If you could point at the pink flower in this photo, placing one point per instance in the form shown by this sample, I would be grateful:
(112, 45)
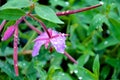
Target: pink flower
(57, 40)
(8, 33)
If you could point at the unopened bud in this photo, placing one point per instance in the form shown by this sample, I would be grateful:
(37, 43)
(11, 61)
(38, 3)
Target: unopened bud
(8, 33)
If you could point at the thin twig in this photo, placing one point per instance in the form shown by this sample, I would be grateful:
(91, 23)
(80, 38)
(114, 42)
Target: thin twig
(32, 27)
(79, 10)
(15, 54)
(42, 24)
(70, 57)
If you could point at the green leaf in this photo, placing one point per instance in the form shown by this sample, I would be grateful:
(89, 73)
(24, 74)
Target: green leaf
(59, 2)
(115, 27)
(47, 14)
(73, 36)
(110, 41)
(16, 4)
(42, 73)
(29, 70)
(97, 22)
(113, 62)
(11, 14)
(52, 71)
(105, 72)
(96, 65)
(83, 59)
(84, 74)
(5, 67)
(61, 76)
(57, 59)
(7, 51)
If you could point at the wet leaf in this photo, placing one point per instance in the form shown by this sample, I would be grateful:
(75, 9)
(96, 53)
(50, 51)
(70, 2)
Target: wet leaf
(47, 14)
(16, 4)
(11, 14)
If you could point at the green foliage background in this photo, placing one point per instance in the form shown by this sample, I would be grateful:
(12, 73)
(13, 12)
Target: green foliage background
(94, 42)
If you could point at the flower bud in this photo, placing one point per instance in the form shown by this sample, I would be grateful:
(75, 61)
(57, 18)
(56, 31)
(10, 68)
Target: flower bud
(8, 33)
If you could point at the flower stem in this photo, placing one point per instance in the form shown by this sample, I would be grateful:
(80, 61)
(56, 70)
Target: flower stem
(32, 27)
(15, 54)
(42, 24)
(79, 10)
(19, 21)
(2, 24)
(70, 57)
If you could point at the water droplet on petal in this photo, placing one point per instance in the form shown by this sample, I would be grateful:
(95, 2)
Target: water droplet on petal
(63, 34)
(61, 39)
(55, 43)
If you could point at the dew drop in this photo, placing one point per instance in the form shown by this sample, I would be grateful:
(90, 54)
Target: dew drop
(55, 43)
(61, 39)
(76, 71)
(80, 78)
(67, 3)
(16, 65)
(63, 34)
(97, 27)
(101, 2)
(108, 32)
(71, 72)
(62, 74)
(106, 42)
(24, 64)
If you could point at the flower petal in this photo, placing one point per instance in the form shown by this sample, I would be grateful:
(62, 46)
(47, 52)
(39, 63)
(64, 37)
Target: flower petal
(8, 33)
(59, 43)
(39, 43)
(36, 48)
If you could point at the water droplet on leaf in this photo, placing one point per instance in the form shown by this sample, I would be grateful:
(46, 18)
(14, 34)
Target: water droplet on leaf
(75, 71)
(80, 78)
(63, 74)
(106, 42)
(67, 3)
(71, 72)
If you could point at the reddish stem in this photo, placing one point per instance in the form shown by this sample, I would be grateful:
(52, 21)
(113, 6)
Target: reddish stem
(70, 57)
(19, 21)
(32, 27)
(79, 10)
(15, 54)
(42, 24)
(2, 24)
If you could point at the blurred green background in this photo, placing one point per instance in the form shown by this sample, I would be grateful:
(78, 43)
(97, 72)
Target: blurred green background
(94, 42)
